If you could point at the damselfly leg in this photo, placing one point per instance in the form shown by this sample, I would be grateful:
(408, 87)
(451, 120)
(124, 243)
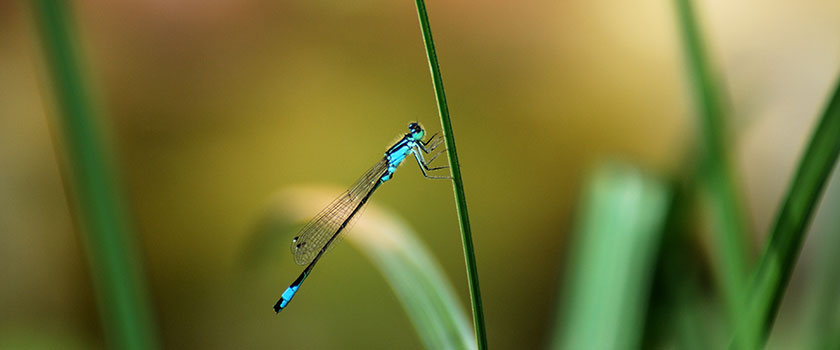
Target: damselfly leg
(433, 140)
(424, 165)
(428, 146)
(435, 157)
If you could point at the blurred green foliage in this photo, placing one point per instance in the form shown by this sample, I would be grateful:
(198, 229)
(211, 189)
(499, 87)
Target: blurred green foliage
(717, 177)
(612, 255)
(109, 242)
(785, 241)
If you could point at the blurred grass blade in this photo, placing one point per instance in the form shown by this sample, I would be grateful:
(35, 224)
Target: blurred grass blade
(729, 248)
(823, 302)
(612, 260)
(405, 262)
(111, 253)
(781, 251)
(457, 181)
(675, 318)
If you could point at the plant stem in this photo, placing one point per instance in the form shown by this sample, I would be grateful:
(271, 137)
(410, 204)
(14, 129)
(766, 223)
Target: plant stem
(779, 257)
(112, 258)
(457, 180)
(728, 231)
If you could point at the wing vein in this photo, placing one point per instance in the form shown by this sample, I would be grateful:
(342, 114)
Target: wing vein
(319, 232)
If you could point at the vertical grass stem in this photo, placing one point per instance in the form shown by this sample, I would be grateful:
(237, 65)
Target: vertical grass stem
(457, 180)
(718, 181)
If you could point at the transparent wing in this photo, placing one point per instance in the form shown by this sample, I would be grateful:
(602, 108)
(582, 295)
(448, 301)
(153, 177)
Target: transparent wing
(328, 223)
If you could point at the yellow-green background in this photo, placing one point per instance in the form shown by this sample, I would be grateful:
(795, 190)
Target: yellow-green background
(212, 106)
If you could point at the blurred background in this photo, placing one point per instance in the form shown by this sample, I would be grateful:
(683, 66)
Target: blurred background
(211, 107)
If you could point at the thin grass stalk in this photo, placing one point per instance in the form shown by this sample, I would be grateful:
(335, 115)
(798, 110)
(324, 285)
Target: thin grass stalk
(788, 232)
(728, 229)
(457, 180)
(112, 257)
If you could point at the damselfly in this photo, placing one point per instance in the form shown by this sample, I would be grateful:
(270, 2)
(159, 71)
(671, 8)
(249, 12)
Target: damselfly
(319, 234)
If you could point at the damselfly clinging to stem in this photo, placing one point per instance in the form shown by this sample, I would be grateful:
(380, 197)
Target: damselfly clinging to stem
(318, 235)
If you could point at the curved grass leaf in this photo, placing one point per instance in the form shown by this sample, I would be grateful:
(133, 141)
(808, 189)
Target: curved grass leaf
(409, 268)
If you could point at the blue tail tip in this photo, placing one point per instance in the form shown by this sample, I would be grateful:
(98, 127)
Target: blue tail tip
(281, 304)
(286, 297)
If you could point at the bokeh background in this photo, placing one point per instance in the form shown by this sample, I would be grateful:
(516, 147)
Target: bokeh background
(213, 106)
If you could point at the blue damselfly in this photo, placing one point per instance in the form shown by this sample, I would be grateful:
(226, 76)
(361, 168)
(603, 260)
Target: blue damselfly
(318, 235)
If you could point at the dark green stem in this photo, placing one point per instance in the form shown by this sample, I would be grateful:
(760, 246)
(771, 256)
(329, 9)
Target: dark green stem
(123, 303)
(779, 257)
(457, 181)
(728, 232)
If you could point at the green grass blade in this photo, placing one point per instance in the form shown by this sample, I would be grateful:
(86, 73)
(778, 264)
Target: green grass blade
(111, 254)
(457, 181)
(729, 246)
(676, 317)
(612, 261)
(822, 302)
(407, 265)
(780, 253)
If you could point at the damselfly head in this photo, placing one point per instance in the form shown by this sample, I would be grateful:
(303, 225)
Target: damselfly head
(416, 131)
